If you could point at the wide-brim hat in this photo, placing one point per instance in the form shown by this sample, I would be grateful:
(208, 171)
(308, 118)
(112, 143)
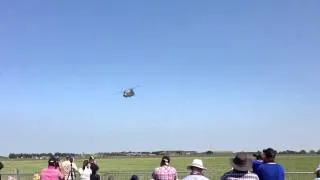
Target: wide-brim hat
(197, 163)
(241, 162)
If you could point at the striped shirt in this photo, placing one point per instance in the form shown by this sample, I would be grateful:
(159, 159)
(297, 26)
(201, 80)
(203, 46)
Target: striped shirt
(237, 175)
(164, 173)
(195, 177)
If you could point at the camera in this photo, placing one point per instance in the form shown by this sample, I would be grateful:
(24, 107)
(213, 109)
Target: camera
(257, 156)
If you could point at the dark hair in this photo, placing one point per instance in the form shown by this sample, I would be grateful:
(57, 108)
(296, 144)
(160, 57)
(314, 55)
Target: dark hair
(164, 160)
(52, 162)
(1, 165)
(85, 163)
(134, 177)
(270, 153)
(71, 159)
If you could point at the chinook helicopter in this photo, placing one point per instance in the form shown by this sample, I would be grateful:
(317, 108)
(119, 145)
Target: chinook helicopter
(129, 92)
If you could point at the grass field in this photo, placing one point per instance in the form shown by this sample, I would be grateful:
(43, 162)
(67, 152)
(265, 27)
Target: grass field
(217, 164)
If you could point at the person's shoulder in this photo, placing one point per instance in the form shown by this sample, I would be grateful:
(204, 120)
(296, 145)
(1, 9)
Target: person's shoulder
(192, 177)
(251, 175)
(257, 162)
(44, 170)
(261, 168)
(264, 165)
(65, 162)
(226, 174)
(173, 169)
(281, 167)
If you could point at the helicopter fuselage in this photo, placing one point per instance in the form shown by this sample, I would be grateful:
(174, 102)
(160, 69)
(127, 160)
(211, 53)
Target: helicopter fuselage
(128, 93)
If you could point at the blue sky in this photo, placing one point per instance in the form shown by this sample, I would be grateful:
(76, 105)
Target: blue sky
(224, 75)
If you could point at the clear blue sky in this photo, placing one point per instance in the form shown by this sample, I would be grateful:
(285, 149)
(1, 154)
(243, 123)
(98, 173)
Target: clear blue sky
(224, 75)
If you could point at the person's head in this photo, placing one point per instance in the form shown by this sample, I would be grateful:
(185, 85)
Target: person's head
(1, 165)
(317, 172)
(71, 159)
(52, 162)
(165, 161)
(241, 162)
(85, 164)
(196, 166)
(91, 159)
(134, 177)
(269, 155)
(57, 158)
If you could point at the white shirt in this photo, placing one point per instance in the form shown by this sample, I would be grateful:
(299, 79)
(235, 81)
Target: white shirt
(85, 174)
(195, 177)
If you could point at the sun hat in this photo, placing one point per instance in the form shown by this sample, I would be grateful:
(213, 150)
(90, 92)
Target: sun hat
(318, 169)
(197, 163)
(241, 162)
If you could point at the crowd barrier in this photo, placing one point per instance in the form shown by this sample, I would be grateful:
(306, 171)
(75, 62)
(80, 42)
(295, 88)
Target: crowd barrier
(147, 176)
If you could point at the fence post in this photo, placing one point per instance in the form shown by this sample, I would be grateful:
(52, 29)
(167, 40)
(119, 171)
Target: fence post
(17, 174)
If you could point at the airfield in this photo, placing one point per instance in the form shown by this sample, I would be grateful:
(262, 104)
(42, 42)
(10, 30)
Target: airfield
(297, 166)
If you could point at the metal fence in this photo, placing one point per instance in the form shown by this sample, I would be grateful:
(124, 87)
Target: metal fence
(210, 175)
(147, 176)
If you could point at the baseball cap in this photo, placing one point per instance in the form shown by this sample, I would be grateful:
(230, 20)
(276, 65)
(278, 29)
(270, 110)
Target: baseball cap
(270, 153)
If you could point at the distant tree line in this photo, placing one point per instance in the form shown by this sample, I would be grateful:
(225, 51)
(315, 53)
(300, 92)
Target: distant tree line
(148, 154)
(300, 152)
(104, 154)
(42, 155)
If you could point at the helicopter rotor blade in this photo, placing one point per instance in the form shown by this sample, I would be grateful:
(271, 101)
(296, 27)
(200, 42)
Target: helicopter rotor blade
(135, 87)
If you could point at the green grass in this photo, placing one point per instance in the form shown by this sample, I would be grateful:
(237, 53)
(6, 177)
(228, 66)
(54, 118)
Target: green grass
(217, 164)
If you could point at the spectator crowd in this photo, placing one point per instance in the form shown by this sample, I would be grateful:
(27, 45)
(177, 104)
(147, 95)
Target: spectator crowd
(67, 170)
(263, 167)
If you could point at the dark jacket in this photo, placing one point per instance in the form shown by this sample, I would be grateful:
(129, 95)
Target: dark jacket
(94, 168)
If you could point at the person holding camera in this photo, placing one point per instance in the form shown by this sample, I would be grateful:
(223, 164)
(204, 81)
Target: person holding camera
(85, 172)
(94, 168)
(52, 172)
(257, 162)
(69, 168)
(269, 169)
